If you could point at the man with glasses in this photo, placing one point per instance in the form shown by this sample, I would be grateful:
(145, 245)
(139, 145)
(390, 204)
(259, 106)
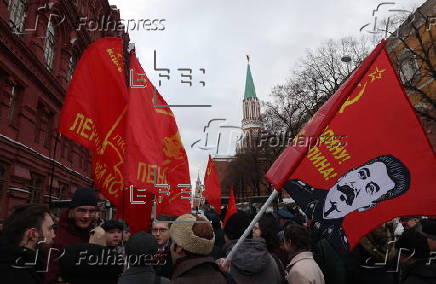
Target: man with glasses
(74, 226)
(161, 232)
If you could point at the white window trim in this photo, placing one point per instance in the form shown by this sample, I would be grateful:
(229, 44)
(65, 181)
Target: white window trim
(49, 45)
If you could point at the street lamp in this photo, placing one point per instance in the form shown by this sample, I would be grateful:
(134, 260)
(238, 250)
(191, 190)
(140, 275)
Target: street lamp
(347, 60)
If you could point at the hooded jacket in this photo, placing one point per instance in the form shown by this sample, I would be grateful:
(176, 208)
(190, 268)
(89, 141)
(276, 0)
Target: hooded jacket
(252, 263)
(197, 270)
(17, 265)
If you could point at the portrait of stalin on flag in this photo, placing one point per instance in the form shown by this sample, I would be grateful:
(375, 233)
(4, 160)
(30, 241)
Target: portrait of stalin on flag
(360, 189)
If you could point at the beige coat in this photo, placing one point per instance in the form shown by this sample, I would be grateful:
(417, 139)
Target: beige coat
(304, 270)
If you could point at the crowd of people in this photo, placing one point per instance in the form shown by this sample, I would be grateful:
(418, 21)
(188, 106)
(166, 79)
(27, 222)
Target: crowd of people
(283, 247)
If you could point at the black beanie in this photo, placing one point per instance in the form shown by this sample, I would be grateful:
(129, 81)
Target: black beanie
(236, 225)
(83, 197)
(141, 244)
(112, 224)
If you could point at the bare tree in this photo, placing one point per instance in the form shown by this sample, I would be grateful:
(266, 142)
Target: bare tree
(313, 82)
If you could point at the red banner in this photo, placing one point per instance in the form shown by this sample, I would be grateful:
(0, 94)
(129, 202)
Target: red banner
(369, 162)
(212, 186)
(231, 206)
(156, 158)
(94, 113)
(132, 141)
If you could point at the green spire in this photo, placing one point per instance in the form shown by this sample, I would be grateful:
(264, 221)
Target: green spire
(250, 91)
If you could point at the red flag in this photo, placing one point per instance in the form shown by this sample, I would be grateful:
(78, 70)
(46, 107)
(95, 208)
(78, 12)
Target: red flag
(97, 96)
(372, 161)
(156, 158)
(133, 142)
(94, 115)
(231, 206)
(212, 186)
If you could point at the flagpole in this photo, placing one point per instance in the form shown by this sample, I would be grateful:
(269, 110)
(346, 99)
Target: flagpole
(250, 227)
(52, 171)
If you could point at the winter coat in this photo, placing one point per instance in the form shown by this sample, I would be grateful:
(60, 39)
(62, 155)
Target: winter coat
(67, 233)
(304, 270)
(17, 266)
(141, 275)
(252, 263)
(331, 265)
(374, 259)
(197, 270)
(420, 273)
(165, 266)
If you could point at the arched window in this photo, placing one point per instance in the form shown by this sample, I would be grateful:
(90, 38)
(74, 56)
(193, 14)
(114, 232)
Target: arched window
(17, 15)
(49, 45)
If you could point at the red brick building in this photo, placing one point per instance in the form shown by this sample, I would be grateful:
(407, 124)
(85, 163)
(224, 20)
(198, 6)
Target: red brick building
(40, 42)
(411, 48)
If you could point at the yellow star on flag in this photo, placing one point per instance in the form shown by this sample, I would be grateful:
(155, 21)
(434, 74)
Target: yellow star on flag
(376, 74)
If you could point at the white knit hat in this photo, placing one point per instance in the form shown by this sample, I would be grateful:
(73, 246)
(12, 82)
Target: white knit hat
(182, 234)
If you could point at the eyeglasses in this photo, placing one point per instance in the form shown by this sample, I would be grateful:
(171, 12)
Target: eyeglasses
(83, 211)
(159, 230)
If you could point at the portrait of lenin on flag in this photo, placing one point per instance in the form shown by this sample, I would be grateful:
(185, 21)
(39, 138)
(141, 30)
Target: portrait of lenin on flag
(360, 189)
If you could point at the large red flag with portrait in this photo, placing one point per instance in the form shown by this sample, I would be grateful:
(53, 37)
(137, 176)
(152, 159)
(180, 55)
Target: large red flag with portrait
(362, 160)
(212, 191)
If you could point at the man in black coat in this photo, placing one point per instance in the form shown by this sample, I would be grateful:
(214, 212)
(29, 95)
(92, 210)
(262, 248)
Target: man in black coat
(26, 232)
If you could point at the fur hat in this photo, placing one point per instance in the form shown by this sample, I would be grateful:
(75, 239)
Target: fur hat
(182, 234)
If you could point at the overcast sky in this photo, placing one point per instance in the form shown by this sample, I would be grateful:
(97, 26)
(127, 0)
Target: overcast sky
(216, 36)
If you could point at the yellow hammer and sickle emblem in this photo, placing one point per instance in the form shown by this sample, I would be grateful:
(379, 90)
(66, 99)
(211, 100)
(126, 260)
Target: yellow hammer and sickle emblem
(351, 101)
